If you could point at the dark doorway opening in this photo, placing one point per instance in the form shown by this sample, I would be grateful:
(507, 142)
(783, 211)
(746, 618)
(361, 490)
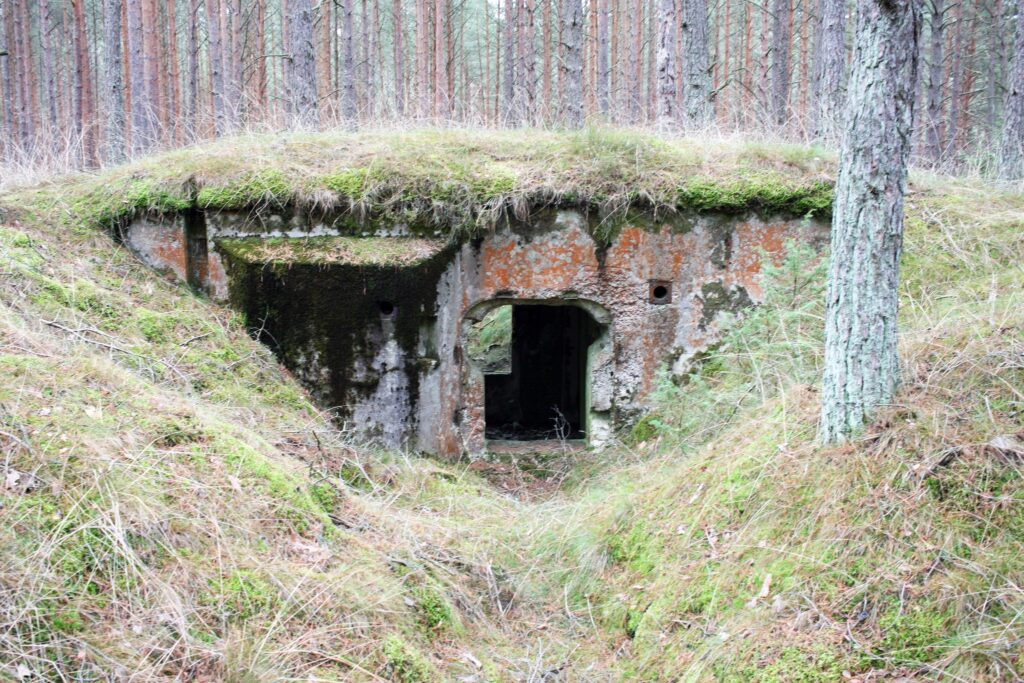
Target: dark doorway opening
(542, 393)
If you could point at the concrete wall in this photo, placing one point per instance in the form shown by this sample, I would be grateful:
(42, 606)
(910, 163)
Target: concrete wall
(711, 264)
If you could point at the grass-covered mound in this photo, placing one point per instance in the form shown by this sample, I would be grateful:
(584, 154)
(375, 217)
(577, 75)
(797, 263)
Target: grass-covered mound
(460, 181)
(174, 507)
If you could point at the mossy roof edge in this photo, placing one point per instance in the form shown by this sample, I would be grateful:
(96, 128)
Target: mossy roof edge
(459, 182)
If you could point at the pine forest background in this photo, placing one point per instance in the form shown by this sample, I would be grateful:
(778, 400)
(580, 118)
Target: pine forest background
(89, 82)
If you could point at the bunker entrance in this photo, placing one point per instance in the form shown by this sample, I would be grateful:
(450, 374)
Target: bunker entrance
(536, 371)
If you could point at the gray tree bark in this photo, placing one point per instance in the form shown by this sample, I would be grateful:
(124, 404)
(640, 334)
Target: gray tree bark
(572, 66)
(780, 62)
(956, 84)
(1011, 150)
(528, 63)
(142, 134)
(399, 57)
(114, 81)
(216, 64)
(7, 133)
(828, 94)
(49, 77)
(302, 77)
(348, 67)
(192, 69)
(666, 112)
(936, 78)
(861, 362)
(698, 110)
(509, 108)
(603, 68)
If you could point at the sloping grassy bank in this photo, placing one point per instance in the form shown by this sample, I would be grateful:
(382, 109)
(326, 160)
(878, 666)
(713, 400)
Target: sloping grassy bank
(174, 507)
(740, 550)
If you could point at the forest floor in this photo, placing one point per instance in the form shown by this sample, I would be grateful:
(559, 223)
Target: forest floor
(174, 507)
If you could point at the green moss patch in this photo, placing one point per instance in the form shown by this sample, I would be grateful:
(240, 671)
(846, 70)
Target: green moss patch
(394, 251)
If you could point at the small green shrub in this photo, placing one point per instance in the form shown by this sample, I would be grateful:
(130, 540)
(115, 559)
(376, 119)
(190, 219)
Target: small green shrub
(434, 609)
(405, 662)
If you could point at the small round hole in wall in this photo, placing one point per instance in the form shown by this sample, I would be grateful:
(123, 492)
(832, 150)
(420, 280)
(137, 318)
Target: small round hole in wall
(387, 309)
(660, 292)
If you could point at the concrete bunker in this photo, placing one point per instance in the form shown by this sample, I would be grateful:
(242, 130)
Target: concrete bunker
(378, 320)
(535, 361)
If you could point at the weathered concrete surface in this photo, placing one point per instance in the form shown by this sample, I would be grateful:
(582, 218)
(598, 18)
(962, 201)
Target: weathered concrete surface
(409, 382)
(712, 265)
(160, 244)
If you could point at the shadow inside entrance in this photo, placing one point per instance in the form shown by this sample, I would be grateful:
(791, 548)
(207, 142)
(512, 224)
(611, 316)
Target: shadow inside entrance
(541, 394)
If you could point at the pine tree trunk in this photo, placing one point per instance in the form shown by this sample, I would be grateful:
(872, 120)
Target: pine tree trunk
(997, 50)
(830, 65)
(216, 65)
(698, 111)
(83, 85)
(780, 62)
(572, 65)
(22, 60)
(546, 47)
(151, 68)
(861, 362)
(602, 57)
(399, 57)
(114, 67)
(666, 63)
(49, 77)
(323, 56)
(348, 67)
(374, 58)
(1011, 150)
(7, 130)
(508, 86)
(261, 60)
(955, 85)
(936, 70)
(302, 79)
(421, 77)
(440, 67)
(529, 62)
(174, 84)
(191, 70)
(636, 85)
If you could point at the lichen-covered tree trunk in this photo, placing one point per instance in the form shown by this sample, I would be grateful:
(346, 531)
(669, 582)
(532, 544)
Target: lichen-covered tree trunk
(861, 363)
(698, 111)
(830, 66)
(302, 73)
(1011, 153)
(666, 64)
(572, 66)
(113, 80)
